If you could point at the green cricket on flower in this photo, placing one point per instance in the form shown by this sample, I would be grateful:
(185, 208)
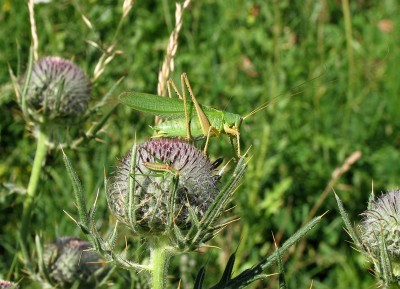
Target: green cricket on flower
(189, 119)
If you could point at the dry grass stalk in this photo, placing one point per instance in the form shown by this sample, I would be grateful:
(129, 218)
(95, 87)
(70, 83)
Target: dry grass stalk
(168, 64)
(35, 41)
(109, 52)
(336, 174)
(126, 7)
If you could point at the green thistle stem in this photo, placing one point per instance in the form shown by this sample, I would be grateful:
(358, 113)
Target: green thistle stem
(160, 256)
(33, 183)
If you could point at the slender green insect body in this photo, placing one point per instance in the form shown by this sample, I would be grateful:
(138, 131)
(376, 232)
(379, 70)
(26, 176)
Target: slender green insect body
(173, 127)
(185, 118)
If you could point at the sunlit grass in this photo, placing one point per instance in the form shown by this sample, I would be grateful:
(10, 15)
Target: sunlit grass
(237, 55)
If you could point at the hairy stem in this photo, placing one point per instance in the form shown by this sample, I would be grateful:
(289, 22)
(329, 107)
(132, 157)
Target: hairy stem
(32, 186)
(160, 256)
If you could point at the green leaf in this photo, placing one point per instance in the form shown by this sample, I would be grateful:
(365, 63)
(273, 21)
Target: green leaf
(227, 275)
(256, 272)
(282, 281)
(198, 284)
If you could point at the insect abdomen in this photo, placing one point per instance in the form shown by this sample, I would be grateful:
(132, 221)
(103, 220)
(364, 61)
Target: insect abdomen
(177, 127)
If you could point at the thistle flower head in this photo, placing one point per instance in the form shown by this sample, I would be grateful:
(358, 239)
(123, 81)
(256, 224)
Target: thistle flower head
(67, 261)
(173, 184)
(57, 90)
(380, 231)
(8, 285)
(383, 220)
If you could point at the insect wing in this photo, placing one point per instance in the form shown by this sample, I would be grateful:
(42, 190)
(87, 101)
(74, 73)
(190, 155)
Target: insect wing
(164, 107)
(161, 106)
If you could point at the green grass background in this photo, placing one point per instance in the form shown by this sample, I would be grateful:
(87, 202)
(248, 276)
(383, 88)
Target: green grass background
(238, 54)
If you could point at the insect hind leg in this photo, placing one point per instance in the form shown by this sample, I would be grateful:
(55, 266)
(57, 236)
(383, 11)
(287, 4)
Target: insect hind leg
(183, 97)
(174, 87)
(185, 105)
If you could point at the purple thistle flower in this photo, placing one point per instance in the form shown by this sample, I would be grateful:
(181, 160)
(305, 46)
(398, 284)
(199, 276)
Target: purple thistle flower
(380, 237)
(383, 220)
(68, 260)
(57, 89)
(164, 168)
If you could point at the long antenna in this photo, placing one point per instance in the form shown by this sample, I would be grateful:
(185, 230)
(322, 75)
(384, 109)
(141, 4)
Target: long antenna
(275, 98)
(268, 103)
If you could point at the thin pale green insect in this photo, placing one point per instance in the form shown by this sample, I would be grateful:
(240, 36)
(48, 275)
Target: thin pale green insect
(186, 118)
(172, 109)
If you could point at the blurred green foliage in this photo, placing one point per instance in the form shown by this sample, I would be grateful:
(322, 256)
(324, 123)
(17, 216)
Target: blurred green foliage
(238, 54)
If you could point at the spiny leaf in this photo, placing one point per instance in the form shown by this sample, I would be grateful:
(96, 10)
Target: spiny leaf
(78, 193)
(227, 275)
(347, 223)
(198, 284)
(282, 281)
(255, 273)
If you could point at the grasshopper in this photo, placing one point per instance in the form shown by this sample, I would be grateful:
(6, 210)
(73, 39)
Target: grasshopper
(188, 119)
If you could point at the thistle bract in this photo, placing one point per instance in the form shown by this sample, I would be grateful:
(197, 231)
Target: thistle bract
(57, 90)
(173, 182)
(67, 261)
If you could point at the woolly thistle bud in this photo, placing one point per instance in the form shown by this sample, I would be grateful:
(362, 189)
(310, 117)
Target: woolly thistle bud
(57, 90)
(164, 169)
(381, 224)
(8, 285)
(67, 261)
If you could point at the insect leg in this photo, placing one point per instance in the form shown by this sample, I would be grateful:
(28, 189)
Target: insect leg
(162, 168)
(188, 134)
(233, 131)
(169, 88)
(206, 127)
(172, 83)
(207, 140)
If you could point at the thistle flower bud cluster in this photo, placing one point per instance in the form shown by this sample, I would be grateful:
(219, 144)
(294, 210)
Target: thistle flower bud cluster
(68, 260)
(56, 89)
(172, 181)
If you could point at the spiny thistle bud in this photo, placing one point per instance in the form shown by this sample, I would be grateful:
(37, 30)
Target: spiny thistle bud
(67, 261)
(380, 230)
(173, 182)
(8, 285)
(57, 90)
